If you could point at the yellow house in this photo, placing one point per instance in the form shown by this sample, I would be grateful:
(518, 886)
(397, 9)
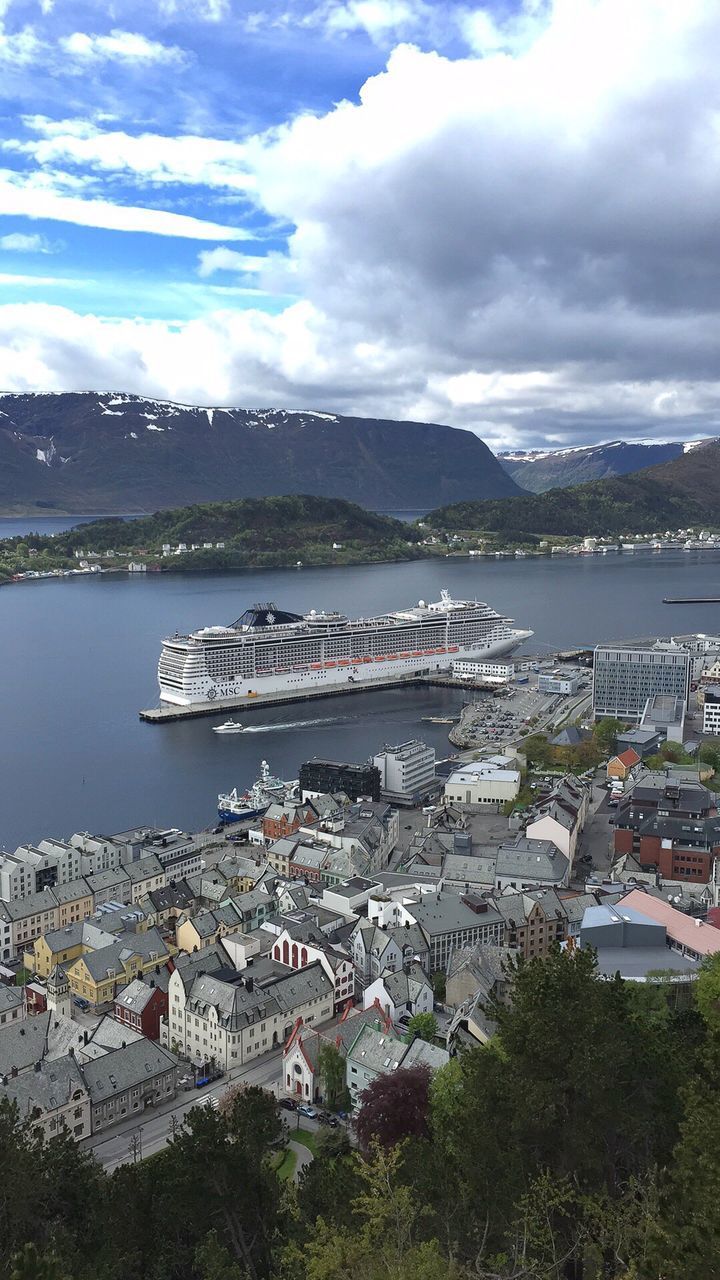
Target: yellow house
(63, 946)
(206, 927)
(621, 766)
(97, 975)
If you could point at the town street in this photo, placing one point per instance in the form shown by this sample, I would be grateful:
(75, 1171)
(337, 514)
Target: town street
(142, 1135)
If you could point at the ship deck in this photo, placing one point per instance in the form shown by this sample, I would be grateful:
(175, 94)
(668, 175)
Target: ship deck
(168, 712)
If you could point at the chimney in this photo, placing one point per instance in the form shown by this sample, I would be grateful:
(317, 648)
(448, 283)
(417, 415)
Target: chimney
(38, 1065)
(248, 984)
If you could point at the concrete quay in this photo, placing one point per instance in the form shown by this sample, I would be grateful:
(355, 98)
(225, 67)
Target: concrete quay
(168, 712)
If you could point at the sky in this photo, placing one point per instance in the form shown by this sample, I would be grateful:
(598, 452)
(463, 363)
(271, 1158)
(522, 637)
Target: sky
(502, 218)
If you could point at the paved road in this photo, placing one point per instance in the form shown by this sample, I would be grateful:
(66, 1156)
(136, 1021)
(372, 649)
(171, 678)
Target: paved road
(304, 1156)
(142, 1136)
(597, 837)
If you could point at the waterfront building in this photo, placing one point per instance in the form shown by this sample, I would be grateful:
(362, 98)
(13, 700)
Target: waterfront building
(487, 672)
(626, 676)
(407, 771)
(558, 682)
(357, 781)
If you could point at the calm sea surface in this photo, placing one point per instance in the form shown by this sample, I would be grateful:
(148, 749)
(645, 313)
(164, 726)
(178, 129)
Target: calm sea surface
(19, 526)
(78, 659)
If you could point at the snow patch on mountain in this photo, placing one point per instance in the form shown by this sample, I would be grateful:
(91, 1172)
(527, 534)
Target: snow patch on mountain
(47, 455)
(694, 444)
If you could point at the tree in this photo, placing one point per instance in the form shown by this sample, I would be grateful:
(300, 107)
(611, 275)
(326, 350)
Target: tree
(707, 991)
(331, 1067)
(393, 1107)
(438, 985)
(710, 754)
(543, 1097)
(688, 1236)
(538, 751)
(423, 1026)
(605, 734)
(214, 1262)
(29, 1264)
(388, 1240)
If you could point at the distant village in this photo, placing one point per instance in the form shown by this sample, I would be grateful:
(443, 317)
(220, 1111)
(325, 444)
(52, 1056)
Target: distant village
(143, 560)
(140, 967)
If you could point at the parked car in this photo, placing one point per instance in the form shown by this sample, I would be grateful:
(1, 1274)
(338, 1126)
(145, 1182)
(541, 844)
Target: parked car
(80, 1002)
(288, 1104)
(305, 1110)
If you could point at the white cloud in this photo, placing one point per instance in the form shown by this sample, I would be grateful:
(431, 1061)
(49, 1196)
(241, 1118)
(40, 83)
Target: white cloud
(522, 241)
(122, 46)
(222, 259)
(190, 159)
(297, 358)
(34, 282)
(18, 48)
(377, 18)
(20, 242)
(382, 20)
(24, 197)
(208, 10)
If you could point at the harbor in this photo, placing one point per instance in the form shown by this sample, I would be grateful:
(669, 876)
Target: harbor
(112, 672)
(170, 712)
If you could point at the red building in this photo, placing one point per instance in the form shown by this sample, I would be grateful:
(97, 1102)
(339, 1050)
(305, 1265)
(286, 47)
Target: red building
(285, 819)
(669, 826)
(140, 1005)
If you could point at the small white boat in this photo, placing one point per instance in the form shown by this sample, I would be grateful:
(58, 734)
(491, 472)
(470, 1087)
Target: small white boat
(230, 726)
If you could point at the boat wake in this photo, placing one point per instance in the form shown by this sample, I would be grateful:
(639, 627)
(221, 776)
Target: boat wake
(295, 724)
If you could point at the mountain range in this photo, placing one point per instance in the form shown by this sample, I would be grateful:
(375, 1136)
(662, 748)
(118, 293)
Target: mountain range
(538, 470)
(679, 494)
(80, 453)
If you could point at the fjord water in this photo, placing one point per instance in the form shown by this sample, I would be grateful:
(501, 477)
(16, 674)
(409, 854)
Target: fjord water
(78, 660)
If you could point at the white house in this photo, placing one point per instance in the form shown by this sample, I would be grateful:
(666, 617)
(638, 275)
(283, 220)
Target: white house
(235, 1022)
(301, 1076)
(407, 991)
(560, 817)
(338, 966)
(374, 951)
(483, 784)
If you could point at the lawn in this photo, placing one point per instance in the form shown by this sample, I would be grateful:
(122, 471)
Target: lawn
(307, 1138)
(286, 1168)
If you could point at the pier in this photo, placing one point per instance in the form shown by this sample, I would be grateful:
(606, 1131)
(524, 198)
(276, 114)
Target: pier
(168, 713)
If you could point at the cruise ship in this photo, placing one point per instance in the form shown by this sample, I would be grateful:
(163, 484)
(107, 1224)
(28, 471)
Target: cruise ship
(270, 651)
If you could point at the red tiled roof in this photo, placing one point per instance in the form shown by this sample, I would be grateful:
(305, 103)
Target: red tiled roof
(629, 758)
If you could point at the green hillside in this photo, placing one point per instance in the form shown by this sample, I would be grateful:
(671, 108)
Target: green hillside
(677, 494)
(256, 533)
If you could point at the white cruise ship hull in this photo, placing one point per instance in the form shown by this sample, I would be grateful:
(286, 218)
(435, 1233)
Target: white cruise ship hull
(336, 675)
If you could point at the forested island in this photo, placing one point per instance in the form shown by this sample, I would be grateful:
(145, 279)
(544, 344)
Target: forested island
(252, 533)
